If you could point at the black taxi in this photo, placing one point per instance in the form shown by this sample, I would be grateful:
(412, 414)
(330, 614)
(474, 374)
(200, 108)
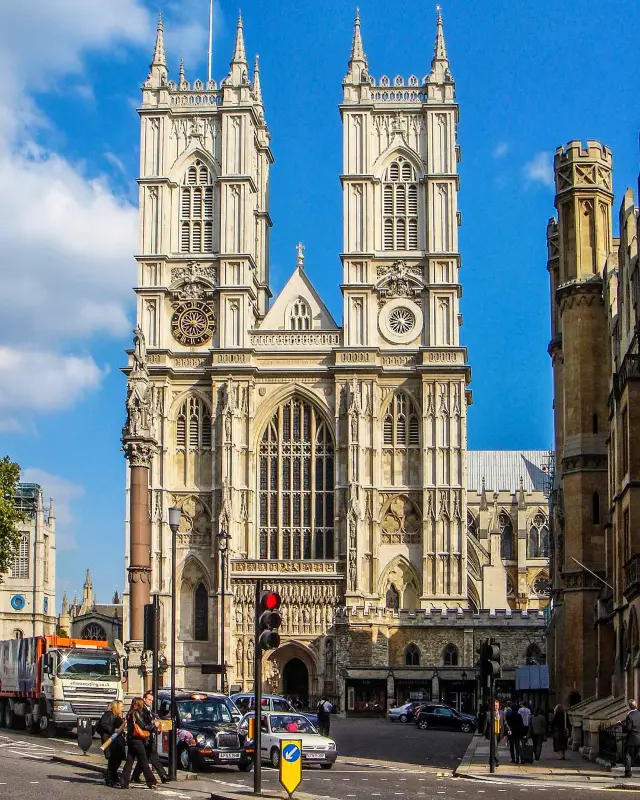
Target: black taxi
(208, 735)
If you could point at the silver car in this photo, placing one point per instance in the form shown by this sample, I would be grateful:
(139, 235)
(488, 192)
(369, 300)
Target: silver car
(405, 713)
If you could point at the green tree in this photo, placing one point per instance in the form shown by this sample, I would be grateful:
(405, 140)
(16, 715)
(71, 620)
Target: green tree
(10, 516)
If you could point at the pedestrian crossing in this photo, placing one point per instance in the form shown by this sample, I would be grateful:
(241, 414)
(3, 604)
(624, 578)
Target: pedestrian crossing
(25, 749)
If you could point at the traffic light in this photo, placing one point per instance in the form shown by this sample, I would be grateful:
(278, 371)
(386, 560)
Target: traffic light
(490, 659)
(269, 620)
(149, 630)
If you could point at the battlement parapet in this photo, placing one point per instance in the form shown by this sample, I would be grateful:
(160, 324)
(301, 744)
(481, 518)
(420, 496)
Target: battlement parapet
(438, 617)
(575, 150)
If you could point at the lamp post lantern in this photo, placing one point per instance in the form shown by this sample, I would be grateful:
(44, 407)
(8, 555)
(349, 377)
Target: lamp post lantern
(175, 513)
(223, 548)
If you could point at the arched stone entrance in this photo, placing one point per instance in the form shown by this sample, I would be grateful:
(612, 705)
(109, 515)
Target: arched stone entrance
(295, 679)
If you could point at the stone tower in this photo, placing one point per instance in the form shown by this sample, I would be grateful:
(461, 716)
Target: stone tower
(579, 244)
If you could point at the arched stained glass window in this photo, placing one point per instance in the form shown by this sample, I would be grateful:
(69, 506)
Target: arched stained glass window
(94, 632)
(392, 600)
(538, 540)
(450, 656)
(400, 206)
(193, 425)
(201, 613)
(507, 545)
(196, 210)
(296, 485)
(412, 656)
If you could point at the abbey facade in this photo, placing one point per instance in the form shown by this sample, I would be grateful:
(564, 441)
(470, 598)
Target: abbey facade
(329, 459)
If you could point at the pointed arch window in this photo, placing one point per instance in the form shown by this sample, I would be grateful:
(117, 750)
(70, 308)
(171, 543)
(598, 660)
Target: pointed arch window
(401, 423)
(392, 599)
(400, 206)
(450, 656)
(296, 485)
(94, 632)
(201, 613)
(193, 425)
(300, 316)
(20, 568)
(538, 540)
(535, 656)
(196, 210)
(412, 656)
(472, 524)
(507, 545)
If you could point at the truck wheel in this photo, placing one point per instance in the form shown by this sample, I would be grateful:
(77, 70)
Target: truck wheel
(32, 724)
(47, 727)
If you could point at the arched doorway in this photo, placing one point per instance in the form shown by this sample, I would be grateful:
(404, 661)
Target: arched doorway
(295, 679)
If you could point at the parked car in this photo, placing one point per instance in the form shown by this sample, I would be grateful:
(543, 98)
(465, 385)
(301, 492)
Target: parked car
(207, 731)
(277, 725)
(440, 716)
(405, 713)
(270, 702)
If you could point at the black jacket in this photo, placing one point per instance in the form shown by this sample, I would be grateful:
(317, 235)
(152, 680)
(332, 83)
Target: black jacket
(108, 724)
(514, 724)
(143, 721)
(632, 728)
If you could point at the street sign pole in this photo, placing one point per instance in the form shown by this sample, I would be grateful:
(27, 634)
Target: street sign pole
(492, 729)
(156, 643)
(290, 764)
(257, 691)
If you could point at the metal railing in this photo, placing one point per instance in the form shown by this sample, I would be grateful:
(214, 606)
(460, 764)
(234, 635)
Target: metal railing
(611, 743)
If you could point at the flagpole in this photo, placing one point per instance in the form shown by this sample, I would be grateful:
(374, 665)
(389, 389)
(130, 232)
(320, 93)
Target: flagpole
(210, 36)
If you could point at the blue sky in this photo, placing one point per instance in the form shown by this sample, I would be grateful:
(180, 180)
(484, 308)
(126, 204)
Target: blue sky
(529, 76)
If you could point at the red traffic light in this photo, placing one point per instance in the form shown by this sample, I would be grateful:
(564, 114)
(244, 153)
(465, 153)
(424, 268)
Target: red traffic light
(271, 601)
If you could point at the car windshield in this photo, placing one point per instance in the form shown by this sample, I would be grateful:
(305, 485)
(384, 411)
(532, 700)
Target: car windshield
(88, 665)
(290, 723)
(201, 711)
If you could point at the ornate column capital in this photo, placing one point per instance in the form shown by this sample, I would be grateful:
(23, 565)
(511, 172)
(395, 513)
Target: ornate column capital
(139, 452)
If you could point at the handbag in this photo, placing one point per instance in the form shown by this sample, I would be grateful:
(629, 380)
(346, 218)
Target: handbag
(139, 733)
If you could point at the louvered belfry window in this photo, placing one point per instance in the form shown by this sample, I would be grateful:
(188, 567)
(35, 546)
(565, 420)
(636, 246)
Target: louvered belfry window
(193, 426)
(296, 485)
(400, 206)
(401, 423)
(196, 210)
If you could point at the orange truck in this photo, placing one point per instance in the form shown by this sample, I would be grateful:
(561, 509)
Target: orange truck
(48, 682)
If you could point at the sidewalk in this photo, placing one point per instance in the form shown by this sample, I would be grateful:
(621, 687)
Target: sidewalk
(575, 771)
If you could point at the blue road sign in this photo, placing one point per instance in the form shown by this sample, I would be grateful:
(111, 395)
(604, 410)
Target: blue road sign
(291, 753)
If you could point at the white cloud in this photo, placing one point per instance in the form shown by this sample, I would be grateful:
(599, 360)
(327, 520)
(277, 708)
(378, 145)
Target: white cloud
(500, 150)
(64, 493)
(540, 169)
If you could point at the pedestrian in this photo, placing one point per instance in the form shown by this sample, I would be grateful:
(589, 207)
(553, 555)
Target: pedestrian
(150, 743)
(324, 716)
(559, 729)
(138, 731)
(631, 726)
(515, 731)
(109, 723)
(498, 727)
(538, 730)
(525, 713)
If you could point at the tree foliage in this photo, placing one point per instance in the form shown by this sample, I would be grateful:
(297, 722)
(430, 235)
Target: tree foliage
(10, 516)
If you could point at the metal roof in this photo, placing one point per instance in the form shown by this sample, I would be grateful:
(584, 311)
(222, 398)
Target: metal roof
(502, 470)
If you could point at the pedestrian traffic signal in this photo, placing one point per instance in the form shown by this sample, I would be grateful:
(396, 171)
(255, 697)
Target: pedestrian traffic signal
(268, 620)
(490, 659)
(149, 629)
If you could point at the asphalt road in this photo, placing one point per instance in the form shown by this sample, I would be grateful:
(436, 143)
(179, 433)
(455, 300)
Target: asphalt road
(27, 773)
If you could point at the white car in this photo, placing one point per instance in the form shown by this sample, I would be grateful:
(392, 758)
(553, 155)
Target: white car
(277, 725)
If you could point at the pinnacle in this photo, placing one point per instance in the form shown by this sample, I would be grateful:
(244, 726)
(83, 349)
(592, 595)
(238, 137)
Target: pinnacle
(257, 88)
(440, 49)
(239, 53)
(159, 56)
(357, 50)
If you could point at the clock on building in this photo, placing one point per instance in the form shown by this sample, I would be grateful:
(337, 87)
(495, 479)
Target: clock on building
(193, 322)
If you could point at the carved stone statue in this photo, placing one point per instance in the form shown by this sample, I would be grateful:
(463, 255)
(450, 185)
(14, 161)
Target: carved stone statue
(139, 351)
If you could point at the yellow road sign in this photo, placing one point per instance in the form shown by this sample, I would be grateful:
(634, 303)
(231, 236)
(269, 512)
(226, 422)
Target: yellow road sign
(290, 764)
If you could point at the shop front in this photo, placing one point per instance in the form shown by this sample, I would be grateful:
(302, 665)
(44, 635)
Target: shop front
(366, 696)
(410, 689)
(459, 693)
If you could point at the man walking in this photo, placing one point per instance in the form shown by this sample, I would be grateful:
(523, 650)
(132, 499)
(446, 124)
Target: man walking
(631, 727)
(150, 743)
(324, 716)
(495, 719)
(515, 732)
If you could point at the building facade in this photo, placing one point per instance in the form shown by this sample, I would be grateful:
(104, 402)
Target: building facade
(328, 459)
(594, 290)
(28, 590)
(90, 619)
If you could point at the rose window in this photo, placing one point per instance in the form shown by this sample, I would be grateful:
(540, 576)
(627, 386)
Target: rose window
(401, 320)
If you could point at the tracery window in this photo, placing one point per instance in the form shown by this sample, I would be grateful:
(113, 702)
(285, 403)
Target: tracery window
(300, 316)
(412, 656)
(507, 548)
(542, 585)
(401, 523)
(196, 210)
(400, 206)
(401, 424)
(20, 568)
(472, 524)
(94, 632)
(450, 656)
(535, 655)
(392, 599)
(538, 542)
(296, 485)
(193, 425)
(201, 613)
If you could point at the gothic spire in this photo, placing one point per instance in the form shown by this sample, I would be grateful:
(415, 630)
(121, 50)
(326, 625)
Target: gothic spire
(158, 71)
(358, 60)
(239, 54)
(440, 61)
(239, 69)
(65, 604)
(181, 78)
(257, 88)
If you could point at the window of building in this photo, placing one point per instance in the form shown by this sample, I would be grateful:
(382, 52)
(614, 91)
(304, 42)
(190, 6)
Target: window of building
(450, 656)
(412, 656)
(392, 599)
(626, 536)
(46, 558)
(400, 206)
(624, 443)
(196, 210)
(542, 585)
(401, 424)
(18, 634)
(595, 508)
(300, 316)
(94, 632)
(535, 655)
(538, 540)
(472, 524)
(20, 568)
(201, 613)
(595, 423)
(507, 545)
(193, 425)
(296, 485)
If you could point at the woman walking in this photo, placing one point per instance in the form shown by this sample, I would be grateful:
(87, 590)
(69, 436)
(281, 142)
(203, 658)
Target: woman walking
(559, 729)
(111, 722)
(138, 731)
(538, 729)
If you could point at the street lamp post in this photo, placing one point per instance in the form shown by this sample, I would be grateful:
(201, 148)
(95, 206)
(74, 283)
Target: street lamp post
(175, 514)
(223, 546)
